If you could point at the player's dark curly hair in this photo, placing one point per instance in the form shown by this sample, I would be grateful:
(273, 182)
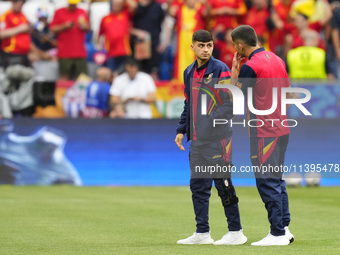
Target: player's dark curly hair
(245, 34)
(202, 36)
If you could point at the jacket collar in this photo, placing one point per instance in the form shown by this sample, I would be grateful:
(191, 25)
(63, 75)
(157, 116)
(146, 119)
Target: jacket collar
(256, 51)
(210, 67)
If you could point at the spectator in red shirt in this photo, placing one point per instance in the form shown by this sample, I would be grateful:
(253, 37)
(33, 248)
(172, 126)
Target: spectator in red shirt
(257, 17)
(302, 30)
(14, 34)
(115, 27)
(281, 24)
(226, 48)
(190, 16)
(225, 13)
(70, 24)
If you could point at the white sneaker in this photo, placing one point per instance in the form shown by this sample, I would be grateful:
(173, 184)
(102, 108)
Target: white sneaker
(232, 238)
(289, 235)
(197, 238)
(272, 240)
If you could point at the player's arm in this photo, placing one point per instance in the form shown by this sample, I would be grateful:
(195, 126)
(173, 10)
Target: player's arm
(132, 5)
(328, 14)
(61, 27)
(235, 69)
(205, 8)
(182, 125)
(172, 8)
(335, 38)
(139, 33)
(101, 35)
(85, 24)
(225, 10)
(243, 77)
(117, 107)
(10, 32)
(150, 98)
(168, 25)
(42, 54)
(115, 100)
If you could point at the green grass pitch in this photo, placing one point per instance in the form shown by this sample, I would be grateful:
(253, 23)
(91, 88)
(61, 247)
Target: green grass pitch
(149, 220)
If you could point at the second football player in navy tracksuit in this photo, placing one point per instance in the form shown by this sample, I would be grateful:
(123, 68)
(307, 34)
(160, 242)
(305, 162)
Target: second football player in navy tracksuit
(210, 146)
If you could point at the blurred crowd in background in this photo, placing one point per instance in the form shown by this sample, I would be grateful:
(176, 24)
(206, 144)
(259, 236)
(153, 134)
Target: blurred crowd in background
(60, 39)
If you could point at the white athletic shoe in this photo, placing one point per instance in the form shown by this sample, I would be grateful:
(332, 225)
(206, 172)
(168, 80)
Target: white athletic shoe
(272, 240)
(197, 238)
(289, 235)
(232, 238)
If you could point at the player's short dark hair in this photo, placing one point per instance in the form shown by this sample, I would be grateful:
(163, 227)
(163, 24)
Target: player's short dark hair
(202, 36)
(245, 34)
(131, 62)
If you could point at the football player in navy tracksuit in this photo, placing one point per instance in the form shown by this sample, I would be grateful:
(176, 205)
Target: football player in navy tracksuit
(268, 136)
(210, 146)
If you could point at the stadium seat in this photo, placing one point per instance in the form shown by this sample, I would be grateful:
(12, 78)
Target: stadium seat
(97, 11)
(4, 6)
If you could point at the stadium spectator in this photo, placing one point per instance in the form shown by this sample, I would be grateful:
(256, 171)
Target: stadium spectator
(115, 27)
(190, 16)
(14, 35)
(336, 35)
(280, 23)
(133, 89)
(70, 24)
(308, 61)
(257, 18)
(148, 17)
(225, 13)
(97, 95)
(319, 12)
(296, 38)
(226, 48)
(42, 39)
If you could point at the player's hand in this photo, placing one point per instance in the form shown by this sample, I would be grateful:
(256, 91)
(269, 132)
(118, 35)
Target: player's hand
(178, 141)
(23, 28)
(69, 24)
(162, 47)
(137, 99)
(142, 35)
(128, 100)
(237, 60)
(228, 10)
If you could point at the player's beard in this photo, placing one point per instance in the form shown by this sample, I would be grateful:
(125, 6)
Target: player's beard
(241, 54)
